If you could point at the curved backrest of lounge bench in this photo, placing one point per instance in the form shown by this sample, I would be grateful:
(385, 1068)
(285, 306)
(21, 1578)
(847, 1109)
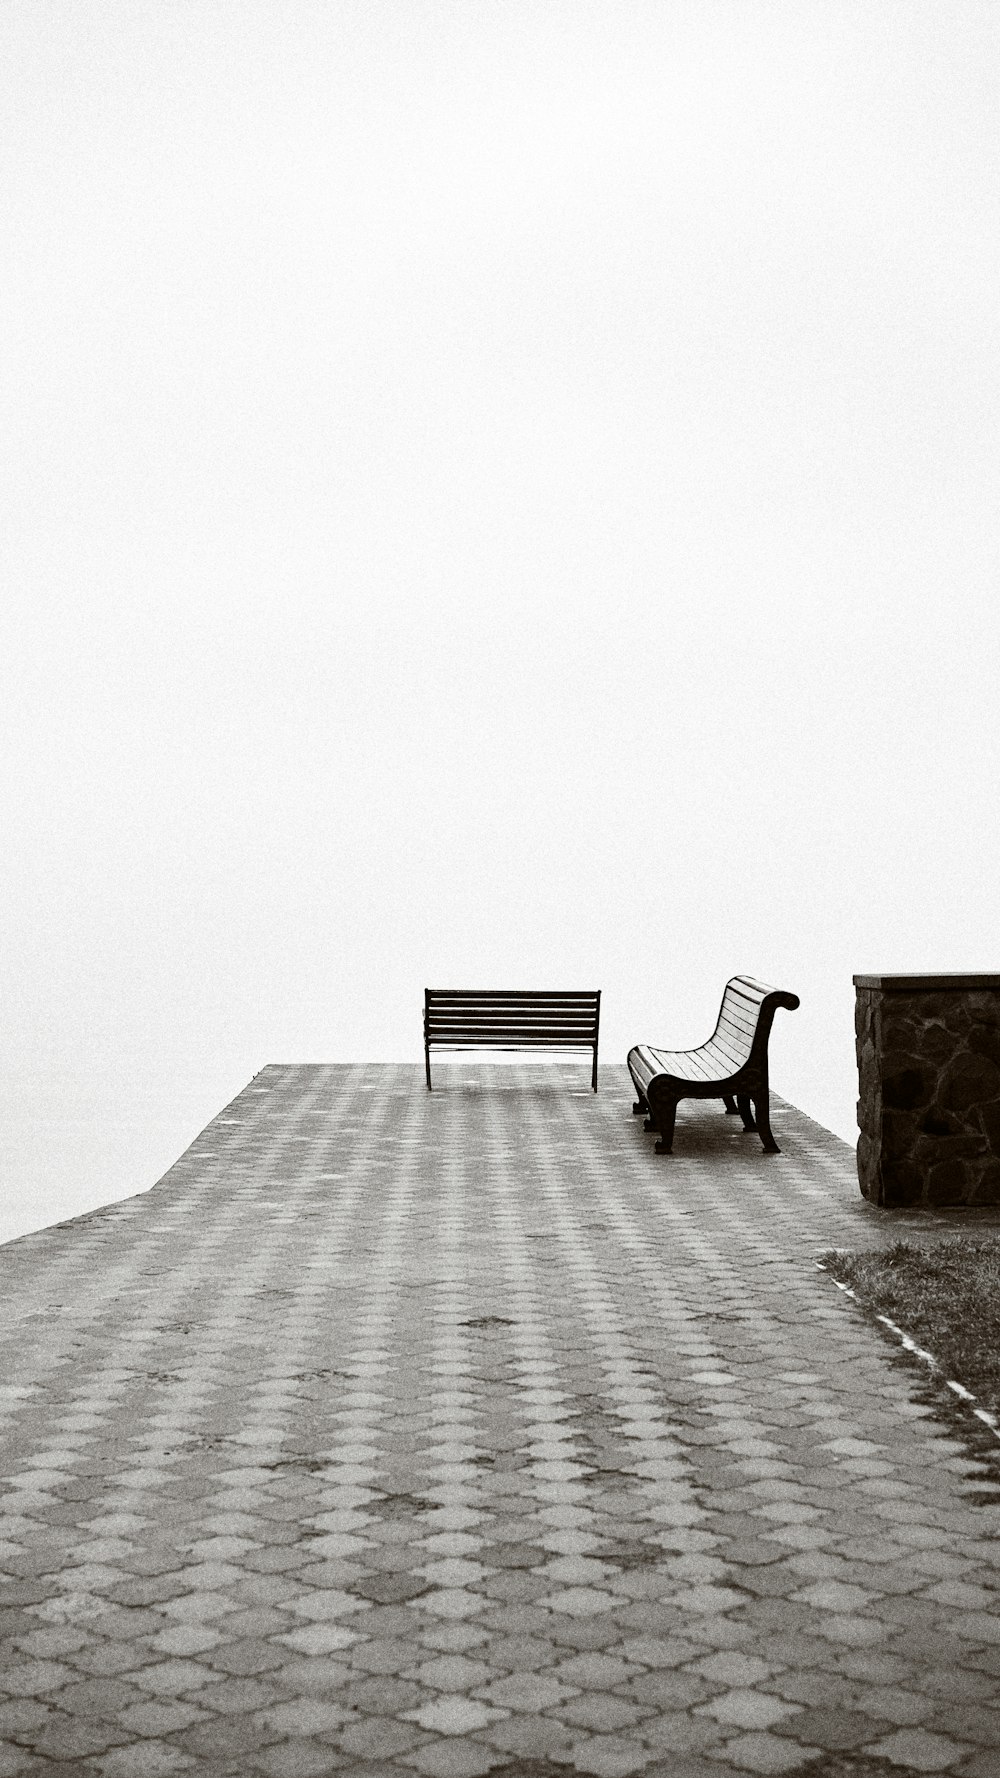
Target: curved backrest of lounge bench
(746, 1016)
(740, 1036)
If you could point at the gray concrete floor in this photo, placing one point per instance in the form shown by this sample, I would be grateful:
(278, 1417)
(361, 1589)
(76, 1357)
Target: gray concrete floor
(399, 1433)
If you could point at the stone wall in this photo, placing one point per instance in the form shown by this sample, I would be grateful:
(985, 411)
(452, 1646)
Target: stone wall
(929, 1079)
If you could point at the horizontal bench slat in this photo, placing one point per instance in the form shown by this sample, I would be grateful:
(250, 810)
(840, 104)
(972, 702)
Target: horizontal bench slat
(534, 1019)
(511, 994)
(543, 1014)
(527, 1014)
(513, 1043)
(537, 1034)
(511, 1016)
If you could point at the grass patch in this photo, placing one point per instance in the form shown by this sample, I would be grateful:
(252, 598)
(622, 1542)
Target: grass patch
(946, 1297)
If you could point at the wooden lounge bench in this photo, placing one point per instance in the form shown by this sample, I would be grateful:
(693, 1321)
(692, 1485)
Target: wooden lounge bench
(491, 1018)
(731, 1066)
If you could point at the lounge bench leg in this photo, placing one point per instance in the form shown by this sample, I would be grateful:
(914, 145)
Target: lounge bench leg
(666, 1126)
(743, 1104)
(427, 1067)
(762, 1108)
(730, 1104)
(639, 1108)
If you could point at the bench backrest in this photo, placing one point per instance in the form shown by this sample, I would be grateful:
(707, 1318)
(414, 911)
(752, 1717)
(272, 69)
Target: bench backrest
(492, 1018)
(745, 1019)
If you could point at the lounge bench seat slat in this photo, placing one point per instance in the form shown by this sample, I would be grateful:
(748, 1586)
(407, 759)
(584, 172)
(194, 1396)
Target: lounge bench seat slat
(737, 1019)
(725, 1050)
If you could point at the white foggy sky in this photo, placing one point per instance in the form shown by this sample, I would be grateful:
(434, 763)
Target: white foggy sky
(492, 494)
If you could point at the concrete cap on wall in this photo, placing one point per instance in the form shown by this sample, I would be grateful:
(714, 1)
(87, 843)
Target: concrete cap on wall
(928, 984)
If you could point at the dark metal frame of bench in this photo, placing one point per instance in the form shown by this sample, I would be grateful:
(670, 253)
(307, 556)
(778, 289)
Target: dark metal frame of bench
(493, 1018)
(731, 1066)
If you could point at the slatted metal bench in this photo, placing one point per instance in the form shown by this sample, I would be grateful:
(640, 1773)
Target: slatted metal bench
(731, 1066)
(492, 1018)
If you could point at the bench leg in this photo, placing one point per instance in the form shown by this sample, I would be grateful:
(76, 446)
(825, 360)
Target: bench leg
(730, 1104)
(427, 1067)
(639, 1108)
(666, 1127)
(743, 1104)
(593, 1078)
(762, 1108)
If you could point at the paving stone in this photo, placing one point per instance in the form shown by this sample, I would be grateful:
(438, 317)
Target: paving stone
(225, 1738)
(304, 1716)
(153, 1718)
(748, 1709)
(985, 1764)
(517, 1654)
(172, 1678)
(970, 1722)
(684, 1766)
(677, 1732)
(609, 1756)
(896, 1703)
(238, 1697)
(452, 1714)
(920, 1750)
(19, 1717)
(297, 1758)
(602, 1712)
(526, 1691)
(379, 1737)
(383, 1694)
(762, 1752)
(311, 1676)
(659, 1651)
(451, 1673)
(734, 1669)
(15, 1761)
(73, 1738)
(833, 1729)
(667, 1690)
(146, 1759)
(452, 1760)
(32, 1678)
(595, 1671)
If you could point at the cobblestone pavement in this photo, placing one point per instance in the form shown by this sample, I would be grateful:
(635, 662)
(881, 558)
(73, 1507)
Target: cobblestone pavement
(397, 1433)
